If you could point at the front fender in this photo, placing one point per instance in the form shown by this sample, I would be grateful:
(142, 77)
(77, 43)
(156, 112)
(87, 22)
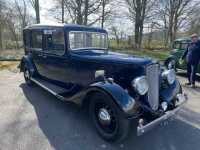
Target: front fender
(118, 94)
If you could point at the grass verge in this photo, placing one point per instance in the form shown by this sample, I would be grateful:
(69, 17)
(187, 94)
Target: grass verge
(10, 65)
(160, 55)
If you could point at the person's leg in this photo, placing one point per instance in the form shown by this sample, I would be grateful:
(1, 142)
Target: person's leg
(189, 73)
(193, 73)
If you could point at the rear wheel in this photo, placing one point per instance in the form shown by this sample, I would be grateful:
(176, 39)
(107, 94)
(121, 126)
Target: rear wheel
(27, 76)
(107, 118)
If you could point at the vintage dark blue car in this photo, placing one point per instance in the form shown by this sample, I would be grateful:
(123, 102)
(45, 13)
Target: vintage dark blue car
(73, 63)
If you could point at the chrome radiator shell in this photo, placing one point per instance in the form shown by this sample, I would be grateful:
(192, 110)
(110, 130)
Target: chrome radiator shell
(152, 74)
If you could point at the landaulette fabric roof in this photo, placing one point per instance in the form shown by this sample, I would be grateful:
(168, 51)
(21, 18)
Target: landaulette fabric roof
(69, 27)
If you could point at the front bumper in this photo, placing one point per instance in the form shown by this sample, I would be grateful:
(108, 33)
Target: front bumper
(141, 129)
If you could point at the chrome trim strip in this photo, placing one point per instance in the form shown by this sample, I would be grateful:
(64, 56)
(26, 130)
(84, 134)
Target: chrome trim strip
(141, 129)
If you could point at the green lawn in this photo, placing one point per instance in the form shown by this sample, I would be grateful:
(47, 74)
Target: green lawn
(156, 54)
(11, 54)
(8, 65)
(160, 53)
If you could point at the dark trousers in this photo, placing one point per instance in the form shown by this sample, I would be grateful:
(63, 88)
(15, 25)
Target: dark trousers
(191, 72)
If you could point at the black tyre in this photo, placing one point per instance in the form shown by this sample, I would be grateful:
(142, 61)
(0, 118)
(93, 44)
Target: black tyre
(27, 76)
(108, 118)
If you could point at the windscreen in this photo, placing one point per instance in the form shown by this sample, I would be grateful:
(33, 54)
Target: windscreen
(87, 40)
(180, 45)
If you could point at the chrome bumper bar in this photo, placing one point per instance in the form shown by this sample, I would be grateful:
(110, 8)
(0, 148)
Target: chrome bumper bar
(141, 129)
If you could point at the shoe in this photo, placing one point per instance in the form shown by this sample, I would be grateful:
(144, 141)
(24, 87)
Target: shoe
(188, 83)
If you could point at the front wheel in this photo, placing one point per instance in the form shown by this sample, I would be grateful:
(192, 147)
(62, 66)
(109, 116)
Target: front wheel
(107, 118)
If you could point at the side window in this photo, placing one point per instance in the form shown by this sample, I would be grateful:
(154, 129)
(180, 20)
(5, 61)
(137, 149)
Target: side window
(36, 37)
(26, 37)
(54, 41)
(176, 45)
(184, 46)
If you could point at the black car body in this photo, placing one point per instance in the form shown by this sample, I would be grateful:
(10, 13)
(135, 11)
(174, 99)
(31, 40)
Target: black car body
(73, 63)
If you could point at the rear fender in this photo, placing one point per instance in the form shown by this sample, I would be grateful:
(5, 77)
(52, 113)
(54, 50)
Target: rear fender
(27, 62)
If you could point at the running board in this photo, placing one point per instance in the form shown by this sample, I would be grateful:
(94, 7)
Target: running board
(53, 89)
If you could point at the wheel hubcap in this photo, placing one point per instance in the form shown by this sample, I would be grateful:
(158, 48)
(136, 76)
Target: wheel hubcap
(27, 75)
(104, 116)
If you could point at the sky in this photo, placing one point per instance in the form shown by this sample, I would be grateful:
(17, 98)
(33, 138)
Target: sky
(121, 23)
(44, 6)
(124, 25)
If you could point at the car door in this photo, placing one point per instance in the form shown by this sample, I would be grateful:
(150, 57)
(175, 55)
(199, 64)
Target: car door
(177, 52)
(55, 63)
(36, 48)
(183, 47)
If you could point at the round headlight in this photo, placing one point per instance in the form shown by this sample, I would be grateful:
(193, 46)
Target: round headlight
(169, 75)
(141, 85)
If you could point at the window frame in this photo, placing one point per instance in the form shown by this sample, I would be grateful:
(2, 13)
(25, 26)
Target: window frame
(75, 49)
(181, 46)
(46, 50)
(27, 38)
(31, 37)
(177, 43)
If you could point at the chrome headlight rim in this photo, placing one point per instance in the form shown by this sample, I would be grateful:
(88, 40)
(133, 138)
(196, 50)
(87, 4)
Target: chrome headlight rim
(139, 83)
(169, 75)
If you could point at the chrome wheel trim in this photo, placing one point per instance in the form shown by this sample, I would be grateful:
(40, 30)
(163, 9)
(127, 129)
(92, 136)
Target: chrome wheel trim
(104, 116)
(27, 74)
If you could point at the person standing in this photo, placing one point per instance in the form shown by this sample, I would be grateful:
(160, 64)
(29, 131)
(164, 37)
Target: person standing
(192, 55)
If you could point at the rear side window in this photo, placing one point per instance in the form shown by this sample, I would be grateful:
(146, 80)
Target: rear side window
(26, 37)
(54, 41)
(36, 39)
(176, 45)
(184, 46)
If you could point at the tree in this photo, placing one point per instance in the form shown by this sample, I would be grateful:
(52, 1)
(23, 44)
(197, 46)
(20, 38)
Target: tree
(139, 11)
(63, 11)
(80, 10)
(14, 17)
(36, 6)
(1, 25)
(103, 13)
(8, 18)
(194, 22)
(21, 10)
(83, 12)
(115, 33)
(173, 15)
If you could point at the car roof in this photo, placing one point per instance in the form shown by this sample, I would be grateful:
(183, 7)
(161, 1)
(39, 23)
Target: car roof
(183, 40)
(68, 27)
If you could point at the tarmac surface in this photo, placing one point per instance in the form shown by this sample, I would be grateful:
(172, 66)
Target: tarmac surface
(33, 119)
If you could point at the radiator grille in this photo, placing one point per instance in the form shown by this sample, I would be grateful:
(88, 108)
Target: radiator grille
(152, 73)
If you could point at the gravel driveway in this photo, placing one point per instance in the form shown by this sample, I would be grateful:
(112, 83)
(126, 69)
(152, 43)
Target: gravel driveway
(32, 119)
